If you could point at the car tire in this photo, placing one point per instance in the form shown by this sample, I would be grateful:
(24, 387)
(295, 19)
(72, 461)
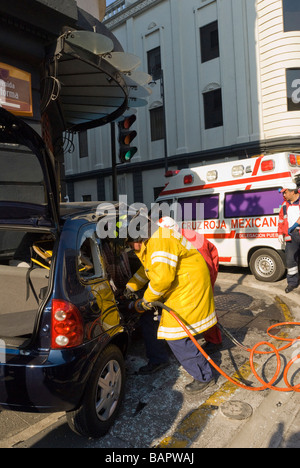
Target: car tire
(267, 265)
(103, 396)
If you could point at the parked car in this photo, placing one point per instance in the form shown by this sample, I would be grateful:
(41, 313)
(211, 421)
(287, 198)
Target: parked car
(64, 326)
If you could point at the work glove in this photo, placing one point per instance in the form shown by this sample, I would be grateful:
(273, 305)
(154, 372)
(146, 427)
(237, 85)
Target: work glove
(292, 229)
(129, 295)
(281, 239)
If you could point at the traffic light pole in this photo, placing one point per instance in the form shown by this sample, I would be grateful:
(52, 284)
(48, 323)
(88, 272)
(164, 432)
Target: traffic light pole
(114, 161)
(162, 93)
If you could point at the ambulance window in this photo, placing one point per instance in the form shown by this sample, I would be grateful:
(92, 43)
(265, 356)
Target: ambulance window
(254, 203)
(197, 208)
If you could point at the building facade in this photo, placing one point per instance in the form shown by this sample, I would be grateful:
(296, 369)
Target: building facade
(225, 84)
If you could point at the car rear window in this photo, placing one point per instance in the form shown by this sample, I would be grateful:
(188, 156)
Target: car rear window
(21, 176)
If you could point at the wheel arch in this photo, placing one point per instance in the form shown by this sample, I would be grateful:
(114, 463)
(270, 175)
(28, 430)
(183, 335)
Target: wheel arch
(254, 249)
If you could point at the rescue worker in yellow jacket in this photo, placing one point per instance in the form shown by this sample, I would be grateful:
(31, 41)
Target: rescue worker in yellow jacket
(177, 275)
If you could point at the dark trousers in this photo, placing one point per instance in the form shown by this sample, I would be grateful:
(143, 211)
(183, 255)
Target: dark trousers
(292, 250)
(156, 350)
(184, 350)
(191, 359)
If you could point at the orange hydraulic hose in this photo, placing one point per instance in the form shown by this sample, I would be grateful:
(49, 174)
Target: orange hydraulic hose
(252, 351)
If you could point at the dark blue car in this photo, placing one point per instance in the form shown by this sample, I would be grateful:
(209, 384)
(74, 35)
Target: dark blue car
(64, 330)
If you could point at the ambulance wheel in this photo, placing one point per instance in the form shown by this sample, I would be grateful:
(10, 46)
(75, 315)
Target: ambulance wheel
(267, 265)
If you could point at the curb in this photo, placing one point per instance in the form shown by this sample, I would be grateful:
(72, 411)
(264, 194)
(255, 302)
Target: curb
(31, 431)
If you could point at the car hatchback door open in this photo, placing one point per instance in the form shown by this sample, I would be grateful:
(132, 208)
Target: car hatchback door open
(28, 187)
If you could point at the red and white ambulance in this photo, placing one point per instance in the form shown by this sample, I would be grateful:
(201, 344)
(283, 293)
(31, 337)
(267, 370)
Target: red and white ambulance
(236, 205)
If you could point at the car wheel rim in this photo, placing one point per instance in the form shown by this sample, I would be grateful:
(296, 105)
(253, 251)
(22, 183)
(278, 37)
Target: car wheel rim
(108, 390)
(265, 266)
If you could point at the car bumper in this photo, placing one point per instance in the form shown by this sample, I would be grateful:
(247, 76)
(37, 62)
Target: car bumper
(52, 382)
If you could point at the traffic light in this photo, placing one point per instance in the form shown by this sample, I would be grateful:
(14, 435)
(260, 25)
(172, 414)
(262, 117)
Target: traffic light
(126, 136)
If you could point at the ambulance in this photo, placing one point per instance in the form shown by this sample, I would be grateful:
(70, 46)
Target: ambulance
(235, 205)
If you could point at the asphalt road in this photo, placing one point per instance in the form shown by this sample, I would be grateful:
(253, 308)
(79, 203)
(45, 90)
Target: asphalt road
(158, 413)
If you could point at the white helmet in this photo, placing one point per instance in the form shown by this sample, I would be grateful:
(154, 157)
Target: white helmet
(167, 222)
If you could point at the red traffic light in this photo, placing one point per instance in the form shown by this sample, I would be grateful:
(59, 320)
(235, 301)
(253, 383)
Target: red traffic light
(128, 122)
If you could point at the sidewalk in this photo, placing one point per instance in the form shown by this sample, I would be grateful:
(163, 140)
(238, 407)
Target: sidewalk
(273, 419)
(158, 414)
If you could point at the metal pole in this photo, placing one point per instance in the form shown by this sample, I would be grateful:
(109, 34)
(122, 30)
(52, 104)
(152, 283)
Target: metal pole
(114, 161)
(162, 92)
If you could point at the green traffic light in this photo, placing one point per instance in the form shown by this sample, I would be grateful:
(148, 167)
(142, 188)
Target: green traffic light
(130, 154)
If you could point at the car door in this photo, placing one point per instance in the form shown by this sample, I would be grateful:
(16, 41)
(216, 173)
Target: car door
(103, 311)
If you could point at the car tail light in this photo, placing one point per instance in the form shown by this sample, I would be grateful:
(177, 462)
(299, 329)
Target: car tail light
(67, 326)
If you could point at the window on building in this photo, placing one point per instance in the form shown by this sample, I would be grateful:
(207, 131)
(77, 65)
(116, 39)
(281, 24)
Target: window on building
(291, 15)
(293, 89)
(157, 122)
(154, 63)
(213, 110)
(252, 203)
(209, 39)
(86, 198)
(83, 144)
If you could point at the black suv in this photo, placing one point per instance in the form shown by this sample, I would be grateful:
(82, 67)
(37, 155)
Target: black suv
(64, 326)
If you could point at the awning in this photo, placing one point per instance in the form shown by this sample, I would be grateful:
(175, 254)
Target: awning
(92, 84)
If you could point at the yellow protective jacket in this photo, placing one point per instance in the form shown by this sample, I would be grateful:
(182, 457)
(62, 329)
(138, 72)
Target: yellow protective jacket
(177, 275)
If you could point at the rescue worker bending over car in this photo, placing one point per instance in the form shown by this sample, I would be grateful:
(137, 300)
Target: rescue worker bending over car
(176, 274)
(288, 231)
(210, 254)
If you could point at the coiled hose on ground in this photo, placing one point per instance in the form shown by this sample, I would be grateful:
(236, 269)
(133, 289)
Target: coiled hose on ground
(252, 351)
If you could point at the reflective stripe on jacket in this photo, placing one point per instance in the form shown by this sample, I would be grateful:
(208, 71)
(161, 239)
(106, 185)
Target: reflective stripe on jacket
(177, 275)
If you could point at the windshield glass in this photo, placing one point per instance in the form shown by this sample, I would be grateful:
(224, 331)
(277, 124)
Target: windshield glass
(21, 176)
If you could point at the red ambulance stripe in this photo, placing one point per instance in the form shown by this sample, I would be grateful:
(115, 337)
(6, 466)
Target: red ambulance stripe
(228, 235)
(255, 170)
(228, 183)
(225, 259)
(256, 167)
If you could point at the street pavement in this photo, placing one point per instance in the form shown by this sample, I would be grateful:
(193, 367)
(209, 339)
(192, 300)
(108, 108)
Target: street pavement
(157, 414)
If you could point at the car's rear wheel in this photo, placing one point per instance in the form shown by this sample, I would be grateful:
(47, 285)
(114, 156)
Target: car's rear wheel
(103, 396)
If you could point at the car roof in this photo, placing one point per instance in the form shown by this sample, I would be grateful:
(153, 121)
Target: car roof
(84, 209)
